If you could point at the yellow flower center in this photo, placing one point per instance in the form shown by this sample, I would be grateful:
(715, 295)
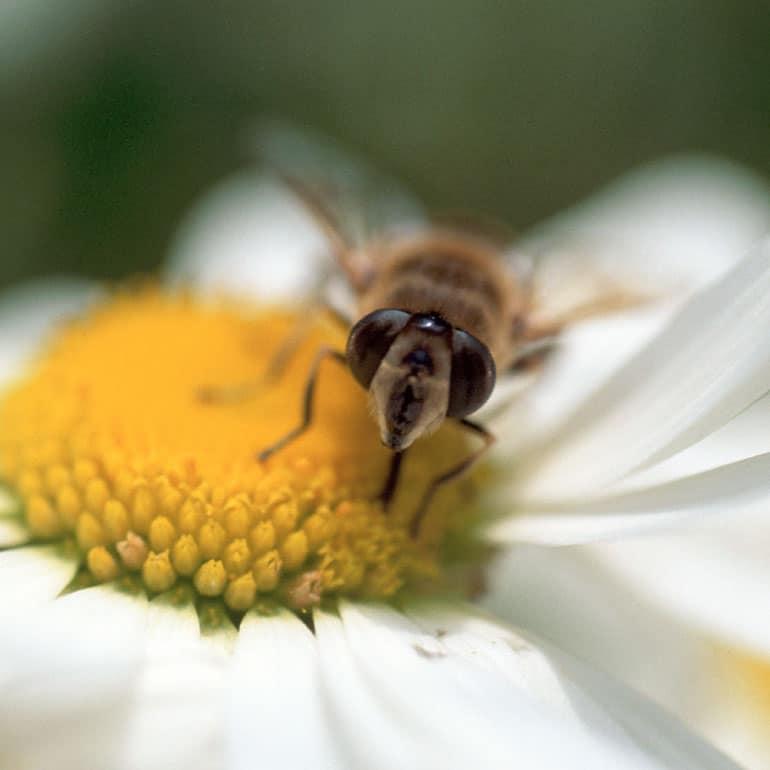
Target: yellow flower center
(109, 443)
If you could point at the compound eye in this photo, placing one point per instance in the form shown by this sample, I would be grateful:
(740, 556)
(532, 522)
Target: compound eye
(473, 375)
(370, 339)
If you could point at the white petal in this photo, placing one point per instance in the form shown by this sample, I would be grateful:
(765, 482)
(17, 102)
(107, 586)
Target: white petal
(710, 363)
(433, 702)
(742, 487)
(502, 652)
(570, 598)
(746, 435)
(678, 222)
(659, 734)
(715, 577)
(71, 667)
(587, 607)
(249, 236)
(587, 355)
(602, 704)
(171, 627)
(28, 312)
(179, 695)
(102, 680)
(32, 576)
(278, 716)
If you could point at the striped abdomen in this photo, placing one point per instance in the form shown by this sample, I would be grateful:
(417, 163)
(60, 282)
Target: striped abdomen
(462, 280)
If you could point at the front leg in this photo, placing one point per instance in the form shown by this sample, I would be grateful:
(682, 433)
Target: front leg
(307, 402)
(317, 306)
(453, 473)
(531, 354)
(536, 337)
(389, 488)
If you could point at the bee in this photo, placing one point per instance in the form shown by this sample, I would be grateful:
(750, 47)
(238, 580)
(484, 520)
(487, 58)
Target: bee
(441, 315)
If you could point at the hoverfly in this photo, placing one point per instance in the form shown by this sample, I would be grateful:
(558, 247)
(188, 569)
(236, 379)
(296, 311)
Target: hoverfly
(440, 316)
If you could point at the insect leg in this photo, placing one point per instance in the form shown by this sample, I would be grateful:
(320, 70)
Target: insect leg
(540, 333)
(453, 473)
(292, 342)
(540, 336)
(389, 489)
(307, 402)
(281, 358)
(229, 394)
(532, 353)
(243, 391)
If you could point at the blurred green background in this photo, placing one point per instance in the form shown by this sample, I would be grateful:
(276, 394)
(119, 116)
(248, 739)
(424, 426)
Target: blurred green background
(114, 115)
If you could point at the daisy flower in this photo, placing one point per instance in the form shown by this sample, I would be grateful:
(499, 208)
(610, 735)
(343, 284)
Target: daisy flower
(167, 601)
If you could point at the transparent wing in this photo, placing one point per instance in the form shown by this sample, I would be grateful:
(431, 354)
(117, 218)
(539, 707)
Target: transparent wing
(572, 278)
(665, 230)
(361, 202)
